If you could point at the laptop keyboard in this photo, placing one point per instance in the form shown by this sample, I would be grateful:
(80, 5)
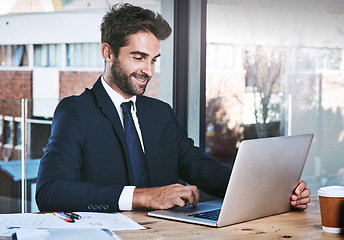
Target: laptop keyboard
(211, 215)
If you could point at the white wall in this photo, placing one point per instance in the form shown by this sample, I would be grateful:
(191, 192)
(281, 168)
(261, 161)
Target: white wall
(45, 85)
(52, 27)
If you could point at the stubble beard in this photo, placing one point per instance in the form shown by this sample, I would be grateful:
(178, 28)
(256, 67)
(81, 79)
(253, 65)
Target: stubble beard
(125, 82)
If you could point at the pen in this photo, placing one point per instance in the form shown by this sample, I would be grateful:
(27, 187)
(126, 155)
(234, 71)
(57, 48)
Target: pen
(64, 217)
(73, 215)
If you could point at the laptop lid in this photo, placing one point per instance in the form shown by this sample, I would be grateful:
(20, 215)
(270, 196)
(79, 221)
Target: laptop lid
(265, 174)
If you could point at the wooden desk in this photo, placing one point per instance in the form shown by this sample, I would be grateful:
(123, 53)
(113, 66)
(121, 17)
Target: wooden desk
(291, 225)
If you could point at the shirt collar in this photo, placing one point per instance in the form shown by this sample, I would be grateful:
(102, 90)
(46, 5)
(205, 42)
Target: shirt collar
(117, 98)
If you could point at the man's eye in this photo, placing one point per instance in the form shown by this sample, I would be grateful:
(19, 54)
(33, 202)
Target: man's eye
(138, 58)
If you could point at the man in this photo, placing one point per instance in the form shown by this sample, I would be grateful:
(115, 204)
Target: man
(88, 164)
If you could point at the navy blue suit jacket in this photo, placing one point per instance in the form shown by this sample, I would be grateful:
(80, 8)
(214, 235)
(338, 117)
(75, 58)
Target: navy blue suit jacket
(86, 164)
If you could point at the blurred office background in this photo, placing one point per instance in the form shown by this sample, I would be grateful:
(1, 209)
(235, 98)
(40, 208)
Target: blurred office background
(232, 70)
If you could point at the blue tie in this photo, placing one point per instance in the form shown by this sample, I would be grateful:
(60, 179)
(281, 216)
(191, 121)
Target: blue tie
(137, 158)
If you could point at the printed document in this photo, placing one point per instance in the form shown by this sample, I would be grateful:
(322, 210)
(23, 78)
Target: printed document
(110, 221)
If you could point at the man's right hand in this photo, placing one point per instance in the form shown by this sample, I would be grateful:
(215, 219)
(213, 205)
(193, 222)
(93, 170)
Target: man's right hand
(165, 197)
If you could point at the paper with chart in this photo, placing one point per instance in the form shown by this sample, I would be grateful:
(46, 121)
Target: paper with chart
(110, 221)
(65, 234)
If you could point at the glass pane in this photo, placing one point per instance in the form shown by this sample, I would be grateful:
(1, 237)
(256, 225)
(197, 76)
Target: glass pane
(84, 55)
(47, 55)
(276, 68)
(18, 134)
(37, 132)
(13, 55)
(10, 164)
(9, 132)
(1, 126)
(47, 83)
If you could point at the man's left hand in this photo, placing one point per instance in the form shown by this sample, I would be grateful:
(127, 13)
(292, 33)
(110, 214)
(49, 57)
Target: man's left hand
(300, 198)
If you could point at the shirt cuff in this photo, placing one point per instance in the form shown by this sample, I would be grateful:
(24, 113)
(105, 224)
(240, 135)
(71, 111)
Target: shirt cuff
(125, 202)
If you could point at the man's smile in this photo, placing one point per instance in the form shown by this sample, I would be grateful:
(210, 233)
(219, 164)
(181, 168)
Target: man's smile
(142, 78)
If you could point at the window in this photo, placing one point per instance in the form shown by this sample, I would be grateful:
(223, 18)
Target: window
(1, 126)
(8, 132)
(13, 55)
(18, 128)
(308, 59)
(47, 55)
(52, 67)
(290, 82)
(84, 55)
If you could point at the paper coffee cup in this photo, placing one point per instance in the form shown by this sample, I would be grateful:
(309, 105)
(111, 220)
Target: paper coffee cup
(331, 201)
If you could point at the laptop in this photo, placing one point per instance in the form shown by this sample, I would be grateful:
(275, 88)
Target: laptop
(265, 173)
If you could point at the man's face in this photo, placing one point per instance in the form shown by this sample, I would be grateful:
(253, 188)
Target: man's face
(134, 66)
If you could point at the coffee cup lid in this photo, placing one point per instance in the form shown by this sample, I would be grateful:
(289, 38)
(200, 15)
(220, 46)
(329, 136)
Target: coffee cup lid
(331, 191)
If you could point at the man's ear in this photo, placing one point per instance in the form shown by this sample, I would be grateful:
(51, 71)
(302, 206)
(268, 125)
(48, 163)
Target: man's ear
(106, 52)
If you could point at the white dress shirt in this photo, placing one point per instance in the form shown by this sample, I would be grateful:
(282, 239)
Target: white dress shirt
(126, 199)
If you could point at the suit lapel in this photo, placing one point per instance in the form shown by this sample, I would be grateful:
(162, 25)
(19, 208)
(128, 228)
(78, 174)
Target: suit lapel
(109, 110)
(147, 131)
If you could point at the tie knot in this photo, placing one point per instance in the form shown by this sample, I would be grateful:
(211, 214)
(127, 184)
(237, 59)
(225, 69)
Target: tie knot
(126, 106)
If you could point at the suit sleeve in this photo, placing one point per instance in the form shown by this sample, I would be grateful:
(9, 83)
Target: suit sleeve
(198, 169)
(59, 184)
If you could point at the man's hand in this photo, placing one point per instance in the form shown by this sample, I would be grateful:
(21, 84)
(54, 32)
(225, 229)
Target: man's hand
(300, 198)
(165, 197)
